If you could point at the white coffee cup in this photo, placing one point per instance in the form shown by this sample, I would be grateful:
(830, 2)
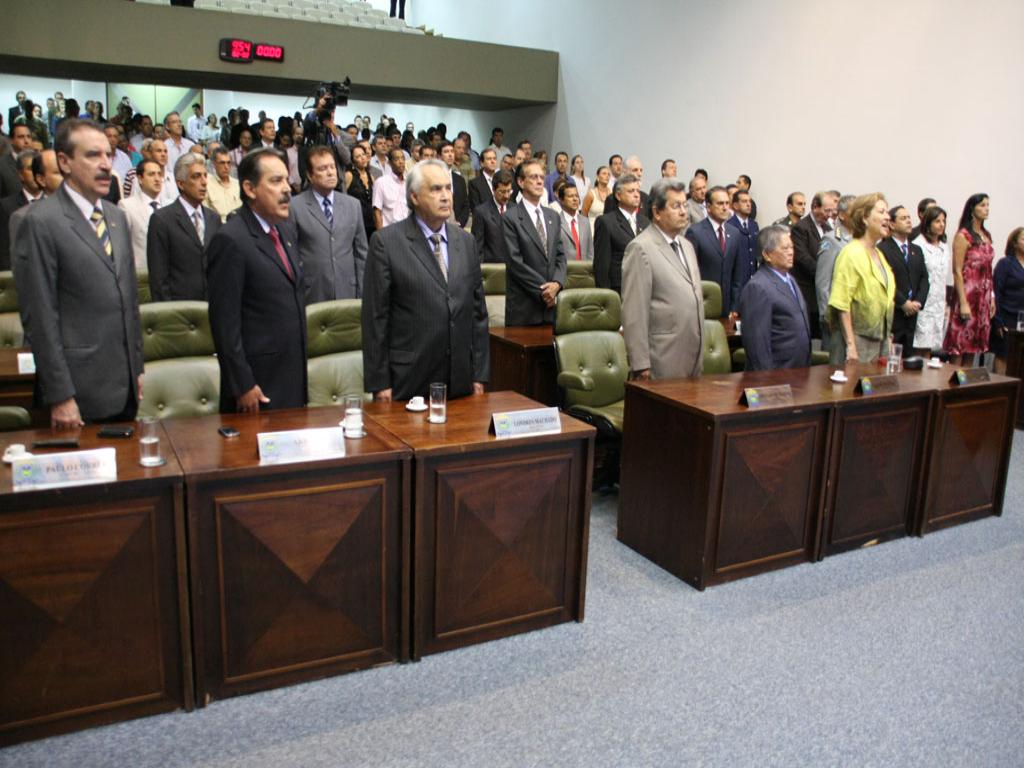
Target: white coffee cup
(417, 401)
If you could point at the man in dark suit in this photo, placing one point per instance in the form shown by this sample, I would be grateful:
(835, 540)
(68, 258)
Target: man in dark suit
(17, 110)
(30, 193)
(424, 315)
(635, 169)
(332, 239)
(807, 234)
(614, 230)
(20, 141)
(460, 195)
(536, 259)
(743, 182)
(907, 262)
(77, 288)
(742, 221)
(488, 227)
(179, 235)
(257, 309)
(776, 330)
(718, 249)
(481, 186)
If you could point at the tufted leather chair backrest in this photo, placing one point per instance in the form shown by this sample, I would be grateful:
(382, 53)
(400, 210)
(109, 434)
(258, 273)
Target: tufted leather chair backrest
(717, 358)
(712, 298)
(172, 329)
(588, 342)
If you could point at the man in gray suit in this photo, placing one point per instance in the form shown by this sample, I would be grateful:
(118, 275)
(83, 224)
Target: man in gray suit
(828, 249)
(577, 242)
(424, 316)
(662, 301)
(78, 293)
(696, 205)
(332, 240)
(536, 258)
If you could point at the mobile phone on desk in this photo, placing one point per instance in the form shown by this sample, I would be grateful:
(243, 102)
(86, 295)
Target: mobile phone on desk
(56, 442)
(228, 432)
(116, 430)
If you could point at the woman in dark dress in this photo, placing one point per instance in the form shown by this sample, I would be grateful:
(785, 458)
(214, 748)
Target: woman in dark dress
(1008, 279)
(972, 305)
(359, 184)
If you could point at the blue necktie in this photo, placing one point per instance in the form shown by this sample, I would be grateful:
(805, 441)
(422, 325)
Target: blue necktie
(328, 212)
(792, 287)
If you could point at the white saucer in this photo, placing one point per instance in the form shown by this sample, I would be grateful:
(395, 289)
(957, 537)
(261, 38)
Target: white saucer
(10, 457)
(934, 363)
(410, 407)
(353, 437)
(838, 380)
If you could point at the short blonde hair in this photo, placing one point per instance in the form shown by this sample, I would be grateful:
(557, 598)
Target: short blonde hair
(858, 212)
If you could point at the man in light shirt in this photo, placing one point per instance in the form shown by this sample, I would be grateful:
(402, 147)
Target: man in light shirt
(139, 208)
(389, 201)
(196, 123)
(177, 143)
(222, 192)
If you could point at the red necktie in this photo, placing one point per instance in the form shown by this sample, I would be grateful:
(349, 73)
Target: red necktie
(501, 210)
(721, 237)
(576, 239)
(281, 254)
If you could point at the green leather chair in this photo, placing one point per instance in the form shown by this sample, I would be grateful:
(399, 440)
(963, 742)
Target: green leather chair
(580, 274)
(590, 355)
(11, 332)
(182, 375)
(716, 348)
(334, 345)
(13, 417)
(494, 287)
(712, 298)
(142, 280)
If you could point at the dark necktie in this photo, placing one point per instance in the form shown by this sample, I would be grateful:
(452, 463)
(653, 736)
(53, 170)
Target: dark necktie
(792, 288)
(679, 254)
(576, 240)
(329, 213)
(721, 237)
(906, 257)
(281, 254)
(540, 228)
(154, 205)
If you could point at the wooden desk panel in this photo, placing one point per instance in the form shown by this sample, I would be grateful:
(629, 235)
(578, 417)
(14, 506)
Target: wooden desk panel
(500, 526)
(1015, 367)
(523, 361)
(17, 388)
(92, 597)
(970, 451)
(299, 571)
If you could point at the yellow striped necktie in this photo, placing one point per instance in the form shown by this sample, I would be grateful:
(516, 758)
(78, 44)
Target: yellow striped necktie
(101, 230)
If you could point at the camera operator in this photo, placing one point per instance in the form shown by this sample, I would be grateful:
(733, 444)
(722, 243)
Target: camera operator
(320, 129)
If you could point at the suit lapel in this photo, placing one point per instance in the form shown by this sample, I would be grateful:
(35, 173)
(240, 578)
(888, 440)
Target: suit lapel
(265, 245)
(317, 211)
(84, 230)
(666, 250)
(421, 248)
(531, 227)
(186, 223)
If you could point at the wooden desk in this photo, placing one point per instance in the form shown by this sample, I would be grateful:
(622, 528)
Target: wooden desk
(1015, 367)
(712, 491)
(93, 597)
(16, 388)
(500, 526)
(298, 571)
(523, 360)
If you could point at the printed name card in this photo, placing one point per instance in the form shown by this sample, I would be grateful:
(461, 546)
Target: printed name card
(534, 421)
(760, 397)
(60, 470)
(301, 445)
(26, 363)
(970, 376)
(877, 385)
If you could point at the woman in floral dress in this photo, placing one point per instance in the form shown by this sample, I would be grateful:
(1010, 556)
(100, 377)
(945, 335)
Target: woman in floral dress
(973, 303)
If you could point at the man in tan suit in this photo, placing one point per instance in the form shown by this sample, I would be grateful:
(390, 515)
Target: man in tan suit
(662, 301)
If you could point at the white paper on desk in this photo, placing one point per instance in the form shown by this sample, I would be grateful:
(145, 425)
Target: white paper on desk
(60, 470)
(26, 363)
(301, 445)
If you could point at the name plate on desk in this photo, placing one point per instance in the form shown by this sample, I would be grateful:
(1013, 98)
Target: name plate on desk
(877, 385)
(301, 445)
(535, 421)
(970, 376)
(759, 397)
(26, 363)
(60, 470)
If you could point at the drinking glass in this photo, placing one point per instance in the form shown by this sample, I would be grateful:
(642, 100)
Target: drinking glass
(438, 403)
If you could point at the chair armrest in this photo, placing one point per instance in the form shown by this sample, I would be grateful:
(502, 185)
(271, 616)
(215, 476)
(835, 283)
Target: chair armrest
(571, 380)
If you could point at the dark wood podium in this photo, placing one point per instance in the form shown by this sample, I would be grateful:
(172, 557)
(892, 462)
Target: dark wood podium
(500, 526)
(712, 490)
(298, 571)
(523, 360)
(1015, 367)
(94, 624)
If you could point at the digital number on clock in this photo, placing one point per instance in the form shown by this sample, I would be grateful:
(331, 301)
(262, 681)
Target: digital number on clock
(245, 51)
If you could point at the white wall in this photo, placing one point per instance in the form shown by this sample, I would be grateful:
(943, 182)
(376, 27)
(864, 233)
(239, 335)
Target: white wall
(914, 98)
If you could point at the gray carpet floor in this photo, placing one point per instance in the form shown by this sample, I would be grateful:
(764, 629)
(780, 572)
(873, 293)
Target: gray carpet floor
(905, 654)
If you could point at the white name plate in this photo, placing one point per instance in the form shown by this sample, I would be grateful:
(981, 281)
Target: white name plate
(301, 445)
(535, 421)
(26, 363)
(59, 470)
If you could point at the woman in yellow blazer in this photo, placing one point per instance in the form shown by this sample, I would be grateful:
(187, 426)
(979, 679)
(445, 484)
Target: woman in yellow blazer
(863, 286)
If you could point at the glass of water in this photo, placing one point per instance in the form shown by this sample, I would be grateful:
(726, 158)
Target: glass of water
(353, 422)
(149, 443)
(894, 362)
(1020, 320)
(438, 403)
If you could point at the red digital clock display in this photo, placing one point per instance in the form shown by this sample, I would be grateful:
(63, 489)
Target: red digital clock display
(245, 51)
